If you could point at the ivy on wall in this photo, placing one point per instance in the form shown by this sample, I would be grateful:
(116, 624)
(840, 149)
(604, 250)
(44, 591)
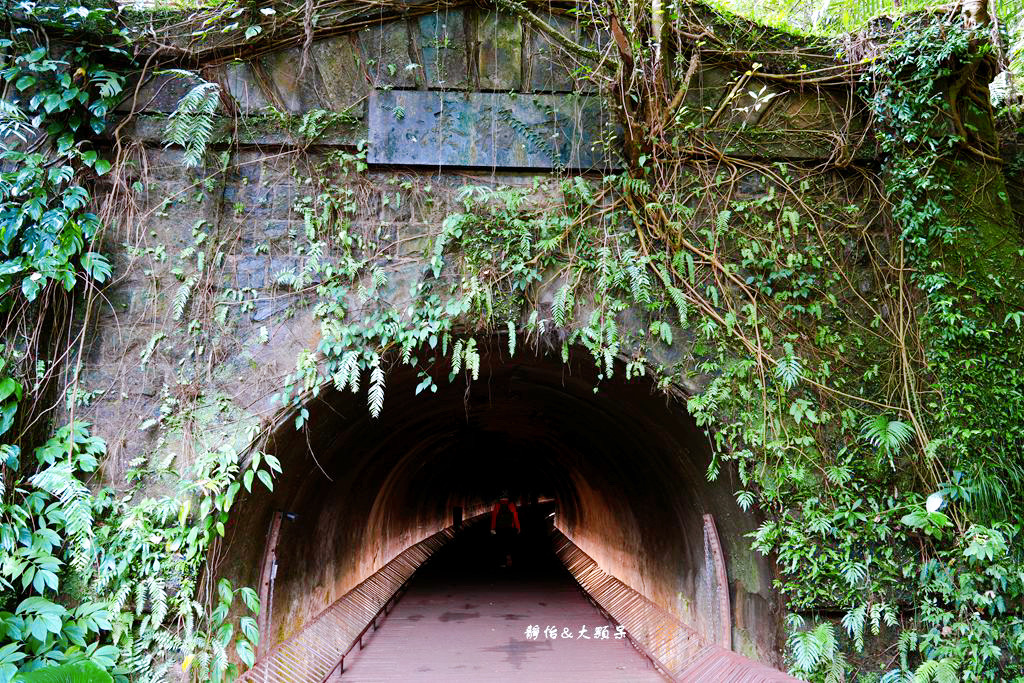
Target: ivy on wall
(969, 579)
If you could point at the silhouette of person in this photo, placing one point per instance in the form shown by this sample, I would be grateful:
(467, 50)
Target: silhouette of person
(505, 526)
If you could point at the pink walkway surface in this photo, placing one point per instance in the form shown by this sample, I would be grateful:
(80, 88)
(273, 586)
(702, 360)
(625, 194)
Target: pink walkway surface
(458, 625)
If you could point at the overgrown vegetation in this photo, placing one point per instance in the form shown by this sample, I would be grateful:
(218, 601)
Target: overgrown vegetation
(857, 329)
(94, 581)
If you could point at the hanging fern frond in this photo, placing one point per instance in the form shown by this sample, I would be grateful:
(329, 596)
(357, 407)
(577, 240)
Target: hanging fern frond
(639, 280)
(59, 481)
(157, 600)
(140, 598)
(190, 125)
(636, 186)
(676, 295)
(563, 305)
(465, 356)
(457, 356)
(937, 671)
(472, 359)
(535, 140)
(347, 374)
(813, 648)
(181, 297)
(722, 221)
(375, 396)
(888, 436)
(788, 368)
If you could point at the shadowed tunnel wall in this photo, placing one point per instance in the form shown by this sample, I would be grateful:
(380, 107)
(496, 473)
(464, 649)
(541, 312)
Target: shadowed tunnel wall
(626, 467)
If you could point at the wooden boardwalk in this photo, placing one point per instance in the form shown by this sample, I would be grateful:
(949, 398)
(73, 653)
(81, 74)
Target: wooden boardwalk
(466, 618)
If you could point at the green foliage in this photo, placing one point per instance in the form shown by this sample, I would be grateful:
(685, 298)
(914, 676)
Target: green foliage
(840, 405)
(850, 370)
(817, 648)
(888, 436)
(501, 243)
(94, 583)
(122, 555)
(46, 534)
(80, 672)
(45, 224)
(841, 16)
(190, 125)
(966, 627)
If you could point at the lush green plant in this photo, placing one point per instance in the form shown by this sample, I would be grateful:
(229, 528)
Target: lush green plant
(840, 407)
(831, 423)
(45, 224)
(130, 563)
(970, 590)
(93, 580)
(80, 672)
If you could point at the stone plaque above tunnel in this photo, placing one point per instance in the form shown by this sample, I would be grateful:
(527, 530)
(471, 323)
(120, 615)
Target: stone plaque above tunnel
(491, 130)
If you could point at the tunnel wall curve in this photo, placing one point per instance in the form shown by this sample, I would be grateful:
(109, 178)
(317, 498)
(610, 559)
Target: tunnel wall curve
(626, 468)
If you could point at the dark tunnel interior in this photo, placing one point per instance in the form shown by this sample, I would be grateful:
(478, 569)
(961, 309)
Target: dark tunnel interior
(623, 466)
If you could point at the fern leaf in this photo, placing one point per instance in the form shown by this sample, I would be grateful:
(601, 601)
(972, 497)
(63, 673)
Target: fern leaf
(563, 305)
(722, 220)
(59, 481)
(457, 356)
(157, 600)
(140, 598)
(853, 622)
(472, 359)
(191, 124)
(788, 368)
(639, 281)
(182, 296)
(375, 396)
(837, 670)
(347, 375)
(888, 436)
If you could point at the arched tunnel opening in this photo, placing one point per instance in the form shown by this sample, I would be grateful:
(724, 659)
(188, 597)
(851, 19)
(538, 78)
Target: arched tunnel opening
(621, 465)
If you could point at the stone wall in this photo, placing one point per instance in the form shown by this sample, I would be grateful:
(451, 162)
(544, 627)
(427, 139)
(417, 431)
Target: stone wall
(198, 331)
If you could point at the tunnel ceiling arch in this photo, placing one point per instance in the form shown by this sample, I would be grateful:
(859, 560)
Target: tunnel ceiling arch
(625, 466)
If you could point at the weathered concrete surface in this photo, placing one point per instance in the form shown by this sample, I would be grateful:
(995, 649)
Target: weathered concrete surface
(487, 129)
(364, 490)
(397, 63)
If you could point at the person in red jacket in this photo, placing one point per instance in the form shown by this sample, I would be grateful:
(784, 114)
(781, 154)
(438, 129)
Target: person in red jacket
(505, 525)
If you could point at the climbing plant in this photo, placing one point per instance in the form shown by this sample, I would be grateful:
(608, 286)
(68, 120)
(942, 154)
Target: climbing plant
(92, 579)
(970, 583)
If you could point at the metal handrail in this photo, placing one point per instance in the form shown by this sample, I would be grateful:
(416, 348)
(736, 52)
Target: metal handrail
(678, 650)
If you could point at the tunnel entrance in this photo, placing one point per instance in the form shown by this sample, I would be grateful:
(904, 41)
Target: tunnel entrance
(621, 467)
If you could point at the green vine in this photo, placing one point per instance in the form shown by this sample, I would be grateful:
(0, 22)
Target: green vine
(92, 579)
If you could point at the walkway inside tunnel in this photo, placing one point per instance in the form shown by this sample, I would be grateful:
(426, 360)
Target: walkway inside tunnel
(468, 617)
(622, 466)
